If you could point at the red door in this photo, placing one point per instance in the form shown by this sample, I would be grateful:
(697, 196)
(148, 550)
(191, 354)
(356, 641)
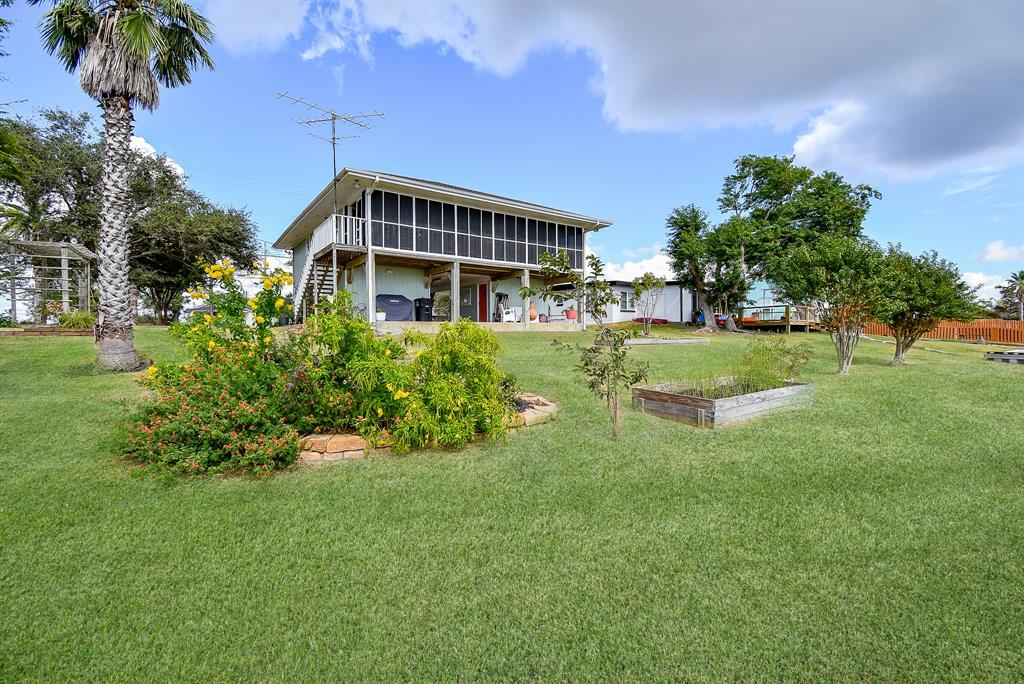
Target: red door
(482, 302)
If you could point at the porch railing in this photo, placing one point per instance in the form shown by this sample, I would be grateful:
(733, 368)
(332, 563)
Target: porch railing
(338, 229)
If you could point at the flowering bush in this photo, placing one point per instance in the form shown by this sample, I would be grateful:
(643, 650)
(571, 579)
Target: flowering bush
(246, 397)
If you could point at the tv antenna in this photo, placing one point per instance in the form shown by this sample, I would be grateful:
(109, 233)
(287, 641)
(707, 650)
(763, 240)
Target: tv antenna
(322, 115)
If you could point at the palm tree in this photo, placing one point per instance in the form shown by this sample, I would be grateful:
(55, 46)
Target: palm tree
(123, 50)
(1015, 288)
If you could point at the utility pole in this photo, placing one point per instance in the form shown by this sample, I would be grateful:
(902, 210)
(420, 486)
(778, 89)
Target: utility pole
(325, 115)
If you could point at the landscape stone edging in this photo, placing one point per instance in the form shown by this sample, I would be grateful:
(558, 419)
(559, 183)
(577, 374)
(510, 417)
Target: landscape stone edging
(319, 449)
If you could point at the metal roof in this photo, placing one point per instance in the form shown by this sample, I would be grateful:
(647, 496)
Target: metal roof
(322, 206)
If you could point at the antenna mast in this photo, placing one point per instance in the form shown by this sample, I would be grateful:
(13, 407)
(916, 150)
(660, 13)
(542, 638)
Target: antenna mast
(323, 115)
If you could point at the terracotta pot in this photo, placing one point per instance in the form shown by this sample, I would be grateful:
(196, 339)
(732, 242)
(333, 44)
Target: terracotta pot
(570, 314)
(533, 312)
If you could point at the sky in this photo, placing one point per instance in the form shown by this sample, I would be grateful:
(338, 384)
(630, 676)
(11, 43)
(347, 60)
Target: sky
(616, 110)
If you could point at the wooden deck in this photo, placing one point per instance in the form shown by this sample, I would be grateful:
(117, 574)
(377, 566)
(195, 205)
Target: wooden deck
(779, 316)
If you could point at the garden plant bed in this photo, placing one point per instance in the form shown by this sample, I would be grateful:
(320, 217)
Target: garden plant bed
(46, 331)
(332, 448)
(670, 400)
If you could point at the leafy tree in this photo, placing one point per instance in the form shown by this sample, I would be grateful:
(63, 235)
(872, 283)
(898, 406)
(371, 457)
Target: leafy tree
(56, 194)
(1013, 293)
(778, 205)
(917, 294)
(606, 363)
(124, 50)
(706, 260)
(177, 232)
(840, 276)
(648, 290)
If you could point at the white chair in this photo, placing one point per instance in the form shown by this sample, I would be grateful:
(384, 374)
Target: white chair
(513, 314)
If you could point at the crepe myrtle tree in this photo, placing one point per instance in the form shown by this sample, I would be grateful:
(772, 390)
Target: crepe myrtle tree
(123, 51)
(842, 278)
(917, 294)
(605, 363)
(648, 289)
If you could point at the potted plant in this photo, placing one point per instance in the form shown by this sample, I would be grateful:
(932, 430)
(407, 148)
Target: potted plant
(381, 315)
(570, 313)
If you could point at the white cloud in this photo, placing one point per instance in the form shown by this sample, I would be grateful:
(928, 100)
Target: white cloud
(968, 184)
(998, 250)
(641, 251)
(658, 265)
(986, 283)
(908, 89)
(143, 146)
(255, 26)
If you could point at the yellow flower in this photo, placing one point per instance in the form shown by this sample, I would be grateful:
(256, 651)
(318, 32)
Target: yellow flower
(279, 303)
(207, 319)
(380, 412)
(252, 303)
(267, 285)
(211, 344)
(261, 319)
(251, 355)
(391, 388)
(151, 371)
(268, 339)
(401, 394)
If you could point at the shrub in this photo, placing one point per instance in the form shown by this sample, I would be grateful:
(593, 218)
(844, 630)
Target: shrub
(245, 398)
(6, 321)
(769, 361)
(76, 319)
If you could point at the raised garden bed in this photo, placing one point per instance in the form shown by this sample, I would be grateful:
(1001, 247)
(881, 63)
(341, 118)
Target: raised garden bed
(1015, 356)
(684, 404)
(644, 341)
(46, 331)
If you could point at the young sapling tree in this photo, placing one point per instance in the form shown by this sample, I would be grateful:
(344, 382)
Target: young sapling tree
(606, 363)
(649, 290)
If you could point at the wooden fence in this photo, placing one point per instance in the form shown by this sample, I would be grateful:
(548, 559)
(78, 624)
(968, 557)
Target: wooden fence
(992, 329)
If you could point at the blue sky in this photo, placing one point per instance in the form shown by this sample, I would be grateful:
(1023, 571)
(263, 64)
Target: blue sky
(617, 111)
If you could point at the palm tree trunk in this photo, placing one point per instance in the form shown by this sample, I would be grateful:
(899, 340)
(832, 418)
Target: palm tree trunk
(114, 330)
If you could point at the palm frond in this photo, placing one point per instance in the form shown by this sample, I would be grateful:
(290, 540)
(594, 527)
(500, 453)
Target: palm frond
(66, 29)
(182, 54)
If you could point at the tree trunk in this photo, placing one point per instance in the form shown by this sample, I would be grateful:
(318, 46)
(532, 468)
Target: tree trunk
(114, 328)
(709, 314)
(613, 406)
(845, 340)
(730, 324)
(900, 354)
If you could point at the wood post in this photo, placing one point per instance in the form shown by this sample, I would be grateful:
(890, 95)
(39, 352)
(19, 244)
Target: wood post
(741, 317)
(456, 295)
(788, 327)
(525, 280)
(14, 285)
(371, 286)
(65, 291)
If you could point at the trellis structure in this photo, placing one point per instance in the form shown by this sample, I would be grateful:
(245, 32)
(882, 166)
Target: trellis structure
(37, 272)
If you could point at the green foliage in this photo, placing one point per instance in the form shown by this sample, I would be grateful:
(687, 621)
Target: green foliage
(1010, 303)
(706, 259)
(605, 364)
(6, 321)
(771, 360)
(648, 290)
(76, 319)
(917, 294)
(841, 278)
(335, 375)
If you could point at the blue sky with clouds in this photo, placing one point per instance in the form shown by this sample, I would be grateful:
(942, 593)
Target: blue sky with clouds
(621, 111)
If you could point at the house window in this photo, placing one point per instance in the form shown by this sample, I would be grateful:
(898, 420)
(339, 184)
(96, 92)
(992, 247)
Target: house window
(626, 301)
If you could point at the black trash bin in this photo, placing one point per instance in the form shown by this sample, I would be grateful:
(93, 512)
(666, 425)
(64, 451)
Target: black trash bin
(424, 308)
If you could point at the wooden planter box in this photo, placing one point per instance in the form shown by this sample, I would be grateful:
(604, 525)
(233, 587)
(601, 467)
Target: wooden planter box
(667, 401)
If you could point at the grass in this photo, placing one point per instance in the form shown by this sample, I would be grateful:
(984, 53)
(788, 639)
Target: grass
(877, 535)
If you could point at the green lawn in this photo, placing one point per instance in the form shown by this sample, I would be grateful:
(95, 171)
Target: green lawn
(878, 535)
